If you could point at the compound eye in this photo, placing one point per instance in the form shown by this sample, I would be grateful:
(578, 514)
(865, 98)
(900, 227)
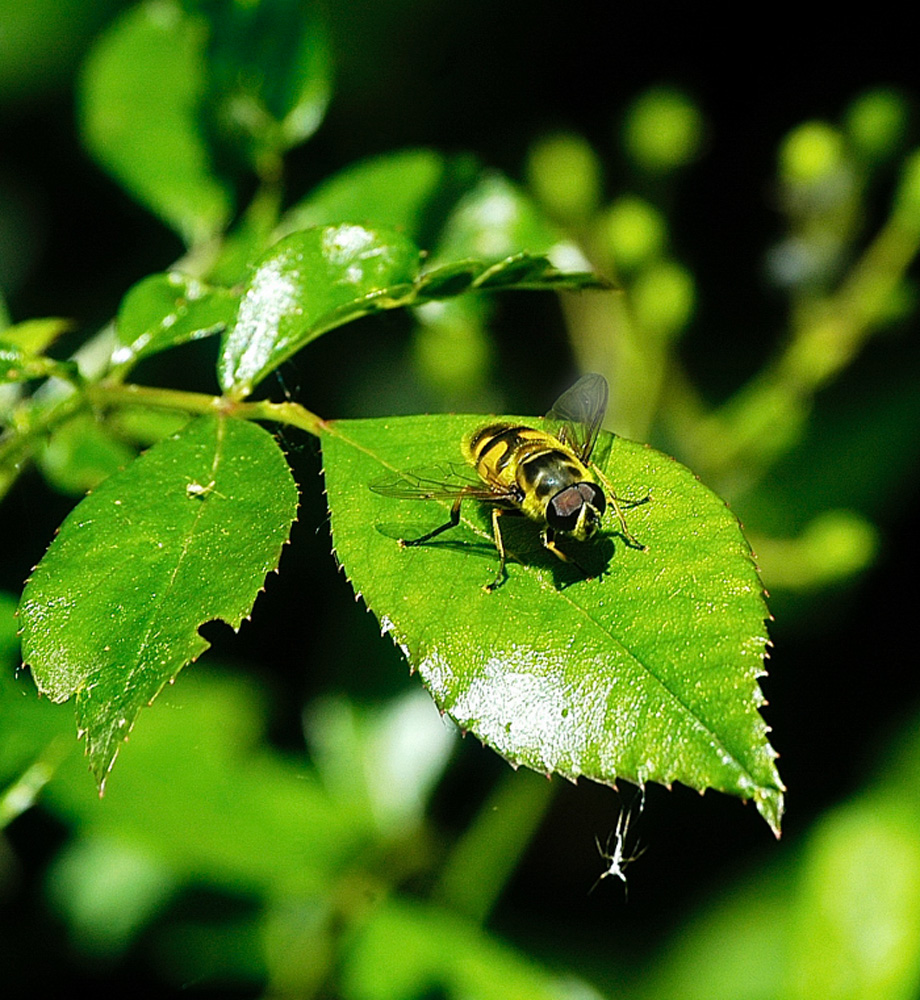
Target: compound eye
(594, 495)
(564, 509)
(567, 509)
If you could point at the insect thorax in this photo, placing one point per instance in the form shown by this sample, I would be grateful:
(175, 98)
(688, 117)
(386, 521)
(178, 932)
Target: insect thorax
(533, 463)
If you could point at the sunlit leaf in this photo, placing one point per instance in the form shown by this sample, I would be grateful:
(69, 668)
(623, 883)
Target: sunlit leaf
(307, 283)
(518, 271)
(314, 280)
(496, 238)
(33, 336)
(494, 222)
(21, 347)
(648, 672)
(185, 535)
(482, 231)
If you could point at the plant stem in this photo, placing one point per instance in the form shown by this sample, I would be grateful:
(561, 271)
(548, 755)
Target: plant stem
(734, 444)
(292, 414)
(487, 854)
(109, 394)
(16, 447)
(22, 793)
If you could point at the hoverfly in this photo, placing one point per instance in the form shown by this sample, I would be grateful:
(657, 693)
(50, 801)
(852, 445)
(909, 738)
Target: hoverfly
(547, 478)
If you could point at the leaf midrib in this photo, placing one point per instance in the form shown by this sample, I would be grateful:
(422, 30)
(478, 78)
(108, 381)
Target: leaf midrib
(697, 722)
(183, 550)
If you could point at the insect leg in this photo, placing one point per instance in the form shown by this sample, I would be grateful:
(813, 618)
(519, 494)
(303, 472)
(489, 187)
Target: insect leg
(615, 502)
(548, 538)
(500, 545)
(452, 523)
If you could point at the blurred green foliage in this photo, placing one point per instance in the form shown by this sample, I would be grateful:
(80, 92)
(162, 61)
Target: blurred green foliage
(42, 42)
(217, 857)
(663, 130)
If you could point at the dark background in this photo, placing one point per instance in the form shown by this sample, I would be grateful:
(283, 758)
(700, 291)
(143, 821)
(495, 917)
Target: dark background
(490, 78)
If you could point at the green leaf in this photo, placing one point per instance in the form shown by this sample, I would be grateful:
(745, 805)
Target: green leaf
(314, 280)
(399, 190)
(519, 271)
(9, 640)
(105, 891)
(17, 365)
(34, 336)
(79, 454)
(307, 283)
(29, 727)
(452, 348)
(185, 535)
(164, 310)
(736, 944)
(202, 784)
(486, 233)
(648, 673)
(270, 73)
(385, 760)
(143, 426)
(857, 907)
(21, 347)
(140, 105)
(510, 240)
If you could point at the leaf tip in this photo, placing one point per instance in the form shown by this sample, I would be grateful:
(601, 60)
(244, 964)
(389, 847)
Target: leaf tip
(101, 769)
(770, 804)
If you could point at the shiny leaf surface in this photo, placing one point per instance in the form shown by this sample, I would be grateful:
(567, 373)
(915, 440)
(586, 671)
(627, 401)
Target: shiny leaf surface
(647, 672)
(495, 223)
(307, 283)
(410, 190)
(314, 280)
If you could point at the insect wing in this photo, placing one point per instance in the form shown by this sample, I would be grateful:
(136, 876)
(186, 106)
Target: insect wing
(438, 483)
(581, 409)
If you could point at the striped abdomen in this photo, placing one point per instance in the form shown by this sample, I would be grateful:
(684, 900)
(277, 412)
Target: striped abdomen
(533, 465)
